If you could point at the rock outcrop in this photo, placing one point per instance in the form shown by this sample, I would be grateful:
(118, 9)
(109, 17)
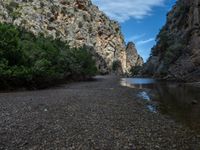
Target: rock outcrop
(177, 52)
(78, 22)
(133, 58)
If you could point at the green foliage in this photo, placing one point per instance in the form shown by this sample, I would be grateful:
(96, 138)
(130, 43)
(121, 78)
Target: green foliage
(169, 47)
(9, 44)
(163, 41)
(164, 38)
(11, 6)
(26, 60)
(116, 65)
(173, 52)
(182, 9)
(135, 70)
(163, 35)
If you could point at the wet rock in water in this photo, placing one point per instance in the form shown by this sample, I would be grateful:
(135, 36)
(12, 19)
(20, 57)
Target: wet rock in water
(151, 108)
(194, 102)
(144, 95)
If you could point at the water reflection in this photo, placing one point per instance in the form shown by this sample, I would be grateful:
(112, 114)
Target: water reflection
(144, 95)
(179, 100)
(137, 82)
(152, 108)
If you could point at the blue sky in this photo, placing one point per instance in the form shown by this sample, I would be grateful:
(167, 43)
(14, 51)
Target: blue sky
(140, 20)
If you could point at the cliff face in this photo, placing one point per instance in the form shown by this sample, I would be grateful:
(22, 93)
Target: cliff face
(133, 58)
(177, 52)
(76, 21)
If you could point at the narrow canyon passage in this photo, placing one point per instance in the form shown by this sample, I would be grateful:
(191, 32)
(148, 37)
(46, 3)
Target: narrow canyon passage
(99, 114)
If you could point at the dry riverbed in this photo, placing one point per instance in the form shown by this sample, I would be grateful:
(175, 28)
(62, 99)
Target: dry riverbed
(99, 114)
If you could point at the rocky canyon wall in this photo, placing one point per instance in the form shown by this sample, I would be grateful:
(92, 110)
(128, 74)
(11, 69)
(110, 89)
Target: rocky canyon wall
(176, 56)
(78, 22)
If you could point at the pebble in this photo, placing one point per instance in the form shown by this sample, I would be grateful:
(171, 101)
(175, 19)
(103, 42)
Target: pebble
(119, 121)
(194, 102)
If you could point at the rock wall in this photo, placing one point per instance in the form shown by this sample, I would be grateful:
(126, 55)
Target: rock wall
(78, 22)
(176, 55)
(133, 58)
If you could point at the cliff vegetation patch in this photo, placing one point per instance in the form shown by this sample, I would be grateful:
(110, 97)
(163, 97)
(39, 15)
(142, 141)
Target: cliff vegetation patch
(30, 61)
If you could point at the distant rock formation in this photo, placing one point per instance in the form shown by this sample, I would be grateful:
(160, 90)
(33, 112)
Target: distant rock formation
(176, 55)
(133, 58)
(78, 22)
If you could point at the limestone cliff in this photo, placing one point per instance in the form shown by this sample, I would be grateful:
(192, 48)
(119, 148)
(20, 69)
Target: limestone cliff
(133, 58)
(78, 22)
(177, 52)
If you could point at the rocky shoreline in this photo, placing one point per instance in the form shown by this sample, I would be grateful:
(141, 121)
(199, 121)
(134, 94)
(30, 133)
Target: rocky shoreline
(99, 114)
(196, 84)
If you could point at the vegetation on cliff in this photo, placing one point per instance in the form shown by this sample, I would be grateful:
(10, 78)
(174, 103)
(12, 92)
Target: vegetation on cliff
(170, 47)
(135, 70)
(30, 61)
(176, 53)
(78, 22)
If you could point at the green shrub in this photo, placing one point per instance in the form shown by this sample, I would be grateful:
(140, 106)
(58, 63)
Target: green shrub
(173, 52)
(182, 9)
(135, 70)
(116, 65)
(27, 60)
(170, 46)
(164, 39)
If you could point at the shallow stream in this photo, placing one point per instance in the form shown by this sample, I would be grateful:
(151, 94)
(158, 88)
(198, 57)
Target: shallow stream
(179, 100)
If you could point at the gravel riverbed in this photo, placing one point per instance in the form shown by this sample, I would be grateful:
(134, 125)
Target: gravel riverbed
(99, 114)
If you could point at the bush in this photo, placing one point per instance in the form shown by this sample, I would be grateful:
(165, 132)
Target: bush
(173, 52)
(169, 47)
(116, 65)
(27, 60)
(135, 70)
(182, 10)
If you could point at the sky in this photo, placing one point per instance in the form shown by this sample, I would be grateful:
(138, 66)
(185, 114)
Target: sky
(140, 20)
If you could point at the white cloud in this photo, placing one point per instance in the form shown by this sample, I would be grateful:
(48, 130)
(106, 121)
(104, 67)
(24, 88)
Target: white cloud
(145, 41)
(136, 37)
(123, 10)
